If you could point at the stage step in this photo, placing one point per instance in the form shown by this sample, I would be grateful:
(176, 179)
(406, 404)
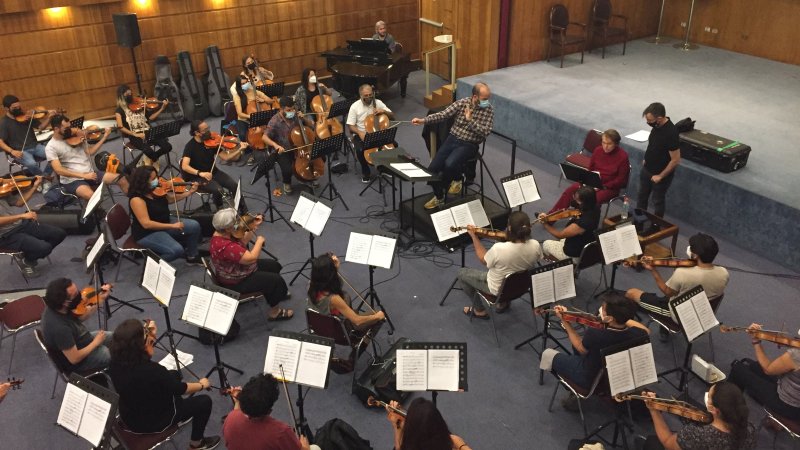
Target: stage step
(440, 97)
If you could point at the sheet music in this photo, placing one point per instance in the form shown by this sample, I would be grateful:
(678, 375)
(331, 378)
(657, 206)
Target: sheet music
(184, 358)
(643, 365)
(689, 320)
(358, 248)
(478, 213)
(166, 281)
(704, 312)
(639, 136)
(442, 221)
(197, 303)
(529, 189)
(71, 412)
(611, 246)
(514, 193)
(381, 251)
(237, 198)
(620, 375)
(95, 416)
(462, 216)
(412, 370)
(443, 370)
(282, 351)
(97, 195)
(150, 277)
(318, 218)
(98, 244)
(543, 288)
(220, 313)
(563, 282)
(629, 241)
(302, 210)
(410, 170)
(312, 367)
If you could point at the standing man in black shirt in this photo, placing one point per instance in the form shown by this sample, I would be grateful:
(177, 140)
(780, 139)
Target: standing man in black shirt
(660, 160)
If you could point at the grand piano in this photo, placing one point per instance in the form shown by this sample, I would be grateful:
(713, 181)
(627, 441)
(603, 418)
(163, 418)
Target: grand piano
(368, 61)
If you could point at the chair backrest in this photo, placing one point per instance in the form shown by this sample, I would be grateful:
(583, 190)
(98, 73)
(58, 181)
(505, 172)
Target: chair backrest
(22, 312)
(40, 339)
(590, 255)
(715, 302)
(327, 326)
(602, 10)
(210, 271)
(514, 286)
(230, 112)
(592, 140)
(559, 16)
(118, 221)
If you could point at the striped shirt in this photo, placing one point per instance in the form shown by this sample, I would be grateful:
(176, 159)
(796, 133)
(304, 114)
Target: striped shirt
(475, 130)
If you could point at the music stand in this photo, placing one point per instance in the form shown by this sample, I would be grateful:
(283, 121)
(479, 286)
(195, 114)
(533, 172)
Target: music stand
(76, 123)
(610, 286)
(341, 109)
(163, 131)
(274, 89)
(377, 140)
(326, 147)
(262, 117)
(520, 188)
(462, 361)
(581, 175)
(377, 242)
(301, 217)
(88, 388)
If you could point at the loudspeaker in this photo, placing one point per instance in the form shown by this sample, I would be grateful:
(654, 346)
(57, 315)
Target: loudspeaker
(127, 28)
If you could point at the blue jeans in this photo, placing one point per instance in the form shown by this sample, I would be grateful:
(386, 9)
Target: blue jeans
(571, 366)
(30, 163)
(169, 244)
(449, 162)
(99, 358)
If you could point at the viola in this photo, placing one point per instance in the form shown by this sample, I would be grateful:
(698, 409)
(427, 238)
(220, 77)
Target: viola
(89, 298)
(483, 232)
(9, 186)
(305, 168)
(676, 407)
(583, 318)
(148, 104)
(778, 337)
(149, 334)
(559, 215)
(176, 185)
(659, 262)
(373, 123)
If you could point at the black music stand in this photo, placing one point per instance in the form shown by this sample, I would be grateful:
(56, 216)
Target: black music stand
(76, 123)
(341, 108)
(610, 286)
(462, 360)
(372, 294)
(516, 176)
(163, 131)
(274, 89)
(104, 394)
(377, 140)
(216, 339)
(581, 175)
(326, 147)
(327, 203)
(263, 117)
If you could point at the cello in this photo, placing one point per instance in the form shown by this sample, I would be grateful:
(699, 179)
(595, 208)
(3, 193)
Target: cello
(325, 127)
(373, 123)
(305, 168)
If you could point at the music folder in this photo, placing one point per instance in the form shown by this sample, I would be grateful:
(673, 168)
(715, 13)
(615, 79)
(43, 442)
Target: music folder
(213, 311)
(694, 312)
(299, 358)
(311, 213)
(631, 368)
(520, 188)
(461, 215)
(581, 175)
(552, 282)
(619, 242)
(86, 409)
(158, 278)
(432, 366)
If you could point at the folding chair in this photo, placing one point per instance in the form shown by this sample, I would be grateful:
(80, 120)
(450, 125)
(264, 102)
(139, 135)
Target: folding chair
(211, 274)
(792, 427)
(64, 375)
(142, 441)
(583, 156)
(515, 285)
(119, 222)
(18, 316)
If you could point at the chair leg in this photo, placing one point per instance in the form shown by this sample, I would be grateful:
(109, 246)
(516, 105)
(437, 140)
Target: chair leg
(562, 56)
(553, 398)
(13, 346)
(494, 328)
(549, 48)
(583, 418)
(53, 395)
(605, 35)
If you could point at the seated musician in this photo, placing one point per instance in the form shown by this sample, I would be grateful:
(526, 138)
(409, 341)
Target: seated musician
(702, 249)
(243, 92)
(73, 164)
(250, 424)
(586, 361)
(133, 125)
(308, 90)
(150, 396)
(277, 136)
(519, 253)
(774, 383)
(423, 428)
(382, 35)
(730, 429)
(197, 162)
(151, 224)
(240, 269)
(612, 162)
(253, 70)
(22, 233)
(474, 120)
(14, 135)
(369, 105)
(66, 338)
(578, 232)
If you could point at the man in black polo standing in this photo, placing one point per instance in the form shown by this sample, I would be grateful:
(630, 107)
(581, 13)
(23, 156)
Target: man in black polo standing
(660, 160)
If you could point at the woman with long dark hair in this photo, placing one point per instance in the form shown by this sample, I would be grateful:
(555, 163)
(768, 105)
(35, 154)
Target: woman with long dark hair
(579, 231)
(150, 396)
(308, 89)
(133, 124)
(423, 428)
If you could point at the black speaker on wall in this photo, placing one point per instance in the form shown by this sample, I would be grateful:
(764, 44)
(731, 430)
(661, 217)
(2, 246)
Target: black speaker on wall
(127, 27)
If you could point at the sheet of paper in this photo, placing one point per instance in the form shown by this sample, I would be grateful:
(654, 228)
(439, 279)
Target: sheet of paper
(529, 189)
(312, 367)
(318, 218)
(94, 200)
(95, 416)
(282, 352)
(543, 289)
(639, 136)
(620, 376)
(629, 241)
(184, 358)
(478, 213)
(412, 370)
(402, 167)
(150, 277)
(643, 365)
(442, 222)
(302, 210)
(358, 248)
(564, 282)
(443, 370)
(220, 314)
(98, 244)
(381, 251)
(689, 320)
(71, 412)
(166, 281)
(197, 303)
(462, 215)
(237, 198)
(416, 173)
(514, 193)
(611, 246)
(704, 312)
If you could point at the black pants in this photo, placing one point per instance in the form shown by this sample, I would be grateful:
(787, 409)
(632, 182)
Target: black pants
(267, 280)
(763, 388)
(198, 407)
(658, 190)
(218, 181)
(285, 161)
(34, 240)
(163, 145)
(450, 163)
(359, 148)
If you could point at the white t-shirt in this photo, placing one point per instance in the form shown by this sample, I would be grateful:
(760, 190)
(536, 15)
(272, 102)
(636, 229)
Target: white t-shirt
(713, 280)
(71, 158)
(505, 258)
(359, 112)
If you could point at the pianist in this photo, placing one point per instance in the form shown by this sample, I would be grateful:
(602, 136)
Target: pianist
(382, 35)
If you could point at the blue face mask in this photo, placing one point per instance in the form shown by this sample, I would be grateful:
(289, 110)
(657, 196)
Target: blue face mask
(246, 86)
(154, 183)
(289, 114)
(483, 104)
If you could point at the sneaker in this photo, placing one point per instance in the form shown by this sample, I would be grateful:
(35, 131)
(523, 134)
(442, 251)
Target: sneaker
(570, 403)
(287, 188)
(194, 261)
(29, 271)
(46, 185)
(251, 160)
(365, 179)
(33, 263)
(433, 203)
(207, 443)
(455, 187)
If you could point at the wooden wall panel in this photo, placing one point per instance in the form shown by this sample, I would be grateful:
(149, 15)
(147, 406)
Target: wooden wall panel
(72, 60)
(765, 29)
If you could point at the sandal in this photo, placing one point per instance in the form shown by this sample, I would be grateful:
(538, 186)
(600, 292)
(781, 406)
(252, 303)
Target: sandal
(283, 314)
(468, 311)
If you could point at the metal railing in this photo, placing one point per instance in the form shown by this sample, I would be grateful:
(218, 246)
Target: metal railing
(452, 47)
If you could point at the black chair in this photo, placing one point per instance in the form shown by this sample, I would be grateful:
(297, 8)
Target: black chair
(514, 286)
(601, 24)
(559, 24)
(792, 427)
(211, 274)
(142, 441)
(18, 316)
(99, 375)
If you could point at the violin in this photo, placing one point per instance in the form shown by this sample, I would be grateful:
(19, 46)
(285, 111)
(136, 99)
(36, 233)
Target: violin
(778, 337)
(91, 134)
(243, 225)
(175, 184)
(484, 233)
(305, 168)
(149, 334)
(38, 113)
(583, 318)
(372, 401)
(10, 186)
(659, 262)
(148, 104)
(229, 143)
(15, 383)
(373, 123)
(89, 298)
(560, 215)
(676, 407)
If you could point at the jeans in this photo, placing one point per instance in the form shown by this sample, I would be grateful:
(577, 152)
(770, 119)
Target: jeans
(659, 191)
(34, 240)
(267, 280)
(29, 162)
(285, 161)
(99, 358)
(198, 408)
(748, 375)
(473, 280)
(358, 145)
(449, 162)
(571, 366)
(169, 244)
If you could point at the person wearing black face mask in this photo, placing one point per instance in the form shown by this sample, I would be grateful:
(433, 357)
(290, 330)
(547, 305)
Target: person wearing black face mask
(660, 160)
(579, 231)
(134, 124)
(197, 162)
(72, 346)
(251, 70)
(277, 136)
(356, 117)
(15, 135)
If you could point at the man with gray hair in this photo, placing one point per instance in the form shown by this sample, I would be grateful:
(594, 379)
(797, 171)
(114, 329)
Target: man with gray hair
(382, 35)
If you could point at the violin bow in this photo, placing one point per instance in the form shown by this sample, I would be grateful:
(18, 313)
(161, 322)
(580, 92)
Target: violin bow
(172, 183)
(356, 292)
(297, 427)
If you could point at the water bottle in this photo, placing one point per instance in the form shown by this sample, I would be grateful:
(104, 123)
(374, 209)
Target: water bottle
(625, 207)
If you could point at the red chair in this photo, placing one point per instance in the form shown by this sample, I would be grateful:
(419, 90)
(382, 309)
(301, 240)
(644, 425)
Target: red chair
(142, 441)
(119, 222)
(788, 425)
(583, 157)
(559, 25)
(18, 316)
(342, 333)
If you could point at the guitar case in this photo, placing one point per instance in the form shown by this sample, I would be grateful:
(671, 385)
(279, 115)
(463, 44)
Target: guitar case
(217, 82)
(193, 96)
(165, 88)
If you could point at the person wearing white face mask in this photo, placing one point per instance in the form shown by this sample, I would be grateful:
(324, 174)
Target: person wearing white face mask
(243, 92)
(308, 89)
(729, 429)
